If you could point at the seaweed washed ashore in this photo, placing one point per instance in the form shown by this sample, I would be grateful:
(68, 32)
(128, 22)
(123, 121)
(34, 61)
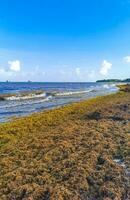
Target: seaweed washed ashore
(77, 152)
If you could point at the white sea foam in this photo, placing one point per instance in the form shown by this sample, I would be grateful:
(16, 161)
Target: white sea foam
(26, 102)
(68, 93)
(30, 96)
(110, 85)
(106, 86)
(33, 97)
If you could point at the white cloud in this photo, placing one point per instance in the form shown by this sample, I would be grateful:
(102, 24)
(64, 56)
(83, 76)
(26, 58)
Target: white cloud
(84, 74)
(127, 59)
(77, 71)
(36, 72)
(2, 71)
(10, 73)
(15, 65)
(106, 66)
(91, 74)
(62, 72)
(4, 74)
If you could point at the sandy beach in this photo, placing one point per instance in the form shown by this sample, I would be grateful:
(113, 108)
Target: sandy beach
(76, 152)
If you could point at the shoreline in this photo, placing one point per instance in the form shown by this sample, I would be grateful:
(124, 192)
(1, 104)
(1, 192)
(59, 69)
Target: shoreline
(62, 106)
(24, 100)
(10, 119)
(77, 151)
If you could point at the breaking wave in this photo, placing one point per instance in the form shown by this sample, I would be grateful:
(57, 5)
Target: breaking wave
(33, 99)
(44, 95)
(30, 102)
(107, 86)
(69, 93)
(30, 96)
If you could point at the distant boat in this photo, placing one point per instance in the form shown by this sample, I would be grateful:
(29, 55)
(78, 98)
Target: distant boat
(29, 81)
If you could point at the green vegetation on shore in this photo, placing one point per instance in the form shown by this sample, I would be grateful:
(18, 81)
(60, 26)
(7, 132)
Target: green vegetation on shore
(68, 153)
(115, 80)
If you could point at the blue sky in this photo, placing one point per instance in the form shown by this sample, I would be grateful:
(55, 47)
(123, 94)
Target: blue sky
(68, 40)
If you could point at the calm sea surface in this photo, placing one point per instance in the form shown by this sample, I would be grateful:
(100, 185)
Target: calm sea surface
(53, 95)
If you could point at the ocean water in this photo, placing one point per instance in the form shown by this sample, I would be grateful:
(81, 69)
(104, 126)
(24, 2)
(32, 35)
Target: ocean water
(51, 96)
